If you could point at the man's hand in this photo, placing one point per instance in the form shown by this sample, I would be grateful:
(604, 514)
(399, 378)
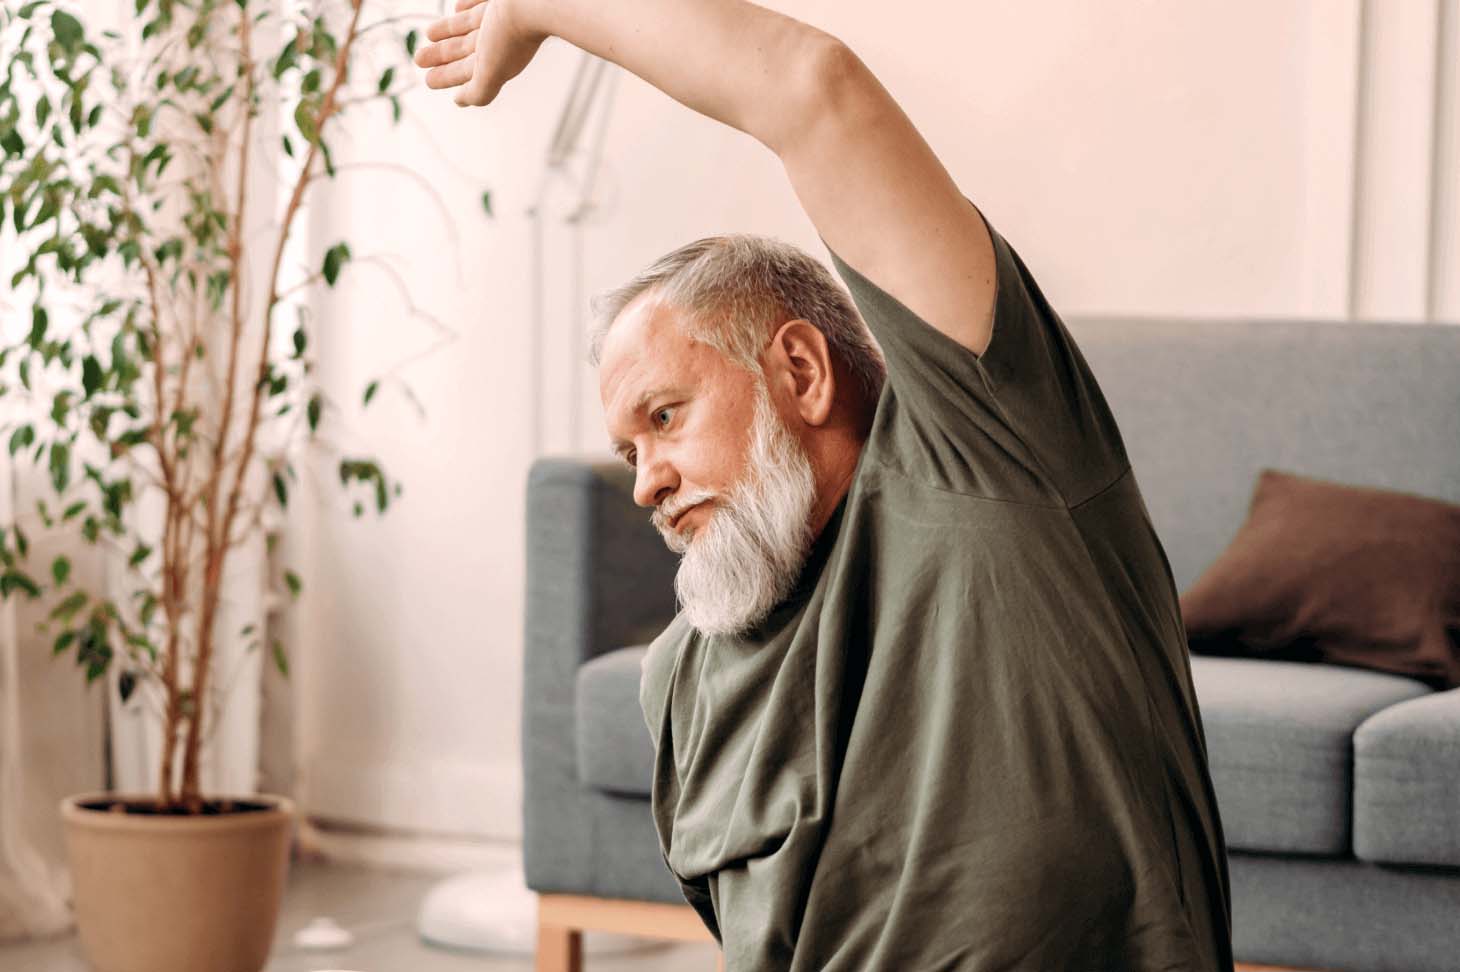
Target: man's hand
(480, 47)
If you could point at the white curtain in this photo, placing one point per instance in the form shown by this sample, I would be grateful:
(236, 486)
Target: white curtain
(33, 881)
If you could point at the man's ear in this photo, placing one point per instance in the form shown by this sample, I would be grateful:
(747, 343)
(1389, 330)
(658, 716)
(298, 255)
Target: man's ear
(799, 360)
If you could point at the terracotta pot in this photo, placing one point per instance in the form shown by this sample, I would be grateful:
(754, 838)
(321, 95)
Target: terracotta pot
(164, 893)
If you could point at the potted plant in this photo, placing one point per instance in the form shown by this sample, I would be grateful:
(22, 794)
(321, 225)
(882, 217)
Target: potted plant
(126, 162)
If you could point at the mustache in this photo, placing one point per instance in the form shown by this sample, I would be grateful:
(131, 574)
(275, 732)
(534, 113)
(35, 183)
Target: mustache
(674, 506)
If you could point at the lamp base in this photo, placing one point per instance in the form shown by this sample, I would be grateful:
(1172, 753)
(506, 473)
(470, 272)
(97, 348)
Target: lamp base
(494, 911)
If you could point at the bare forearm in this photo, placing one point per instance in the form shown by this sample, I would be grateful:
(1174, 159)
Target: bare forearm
(734, 61)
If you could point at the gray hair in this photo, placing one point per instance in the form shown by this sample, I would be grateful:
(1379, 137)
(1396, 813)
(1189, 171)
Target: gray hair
(735, 289)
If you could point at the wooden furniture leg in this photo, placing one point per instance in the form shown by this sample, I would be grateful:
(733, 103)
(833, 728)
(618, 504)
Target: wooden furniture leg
(559, 949)
(562, 919)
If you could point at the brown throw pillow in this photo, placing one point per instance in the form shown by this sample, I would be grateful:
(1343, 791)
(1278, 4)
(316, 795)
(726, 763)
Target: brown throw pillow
(1350, 575)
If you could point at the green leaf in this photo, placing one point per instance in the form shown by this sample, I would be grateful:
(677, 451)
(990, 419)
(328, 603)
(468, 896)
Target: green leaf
(42, 111)
(281, 490)
(13, 580)
(281, 660)
(385, 79)
(63, 641)
(139, 554)
(73, 509)
(286, 58)
(394, 109)
(369, 391)
(67, 29)
(310, 84)
(11, 141)
(91, 375)
(61, 406)
(61, 569)
(304, 118)
(295, 584)
(21, 438)
(301, 340)
(288, 147)
(67, 609)
(487, 202)
(334, 258)
(38, 321)
(94, 652)
(219, 101)
(313, 410)
(29, 9)
(411, 39)
(60, 465)
(126, 685)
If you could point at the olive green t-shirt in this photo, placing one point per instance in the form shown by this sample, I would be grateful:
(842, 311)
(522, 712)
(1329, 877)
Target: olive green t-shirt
(968, 740)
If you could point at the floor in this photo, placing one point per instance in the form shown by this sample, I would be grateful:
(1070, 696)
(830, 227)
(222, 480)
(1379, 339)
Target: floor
(379, 907)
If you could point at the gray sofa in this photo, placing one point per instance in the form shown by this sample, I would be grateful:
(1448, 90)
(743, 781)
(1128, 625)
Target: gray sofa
(1339, 788)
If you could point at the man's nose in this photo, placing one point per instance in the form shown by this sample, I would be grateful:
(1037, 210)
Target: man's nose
(654, 481)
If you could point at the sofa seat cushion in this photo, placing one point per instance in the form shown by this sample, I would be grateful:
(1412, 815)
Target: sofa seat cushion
(614, 749)
(1407, 783)
(1279, 740)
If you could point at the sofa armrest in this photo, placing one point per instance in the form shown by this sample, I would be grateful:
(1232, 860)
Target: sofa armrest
(599, 577)
(1407, 783)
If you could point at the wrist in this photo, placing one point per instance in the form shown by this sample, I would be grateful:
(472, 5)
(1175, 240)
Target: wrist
(523, 19)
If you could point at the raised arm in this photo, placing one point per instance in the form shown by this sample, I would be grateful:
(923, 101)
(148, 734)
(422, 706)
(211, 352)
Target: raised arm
(867, 179)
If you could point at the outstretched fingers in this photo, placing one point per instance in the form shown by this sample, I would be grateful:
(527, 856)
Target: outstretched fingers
(451, 49)
(449, 75)
(457, 24)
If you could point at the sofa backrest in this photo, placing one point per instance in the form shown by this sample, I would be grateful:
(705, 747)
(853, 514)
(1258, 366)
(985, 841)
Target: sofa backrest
(1204, 404)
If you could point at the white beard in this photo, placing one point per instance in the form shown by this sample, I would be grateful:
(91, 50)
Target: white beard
(746, 558)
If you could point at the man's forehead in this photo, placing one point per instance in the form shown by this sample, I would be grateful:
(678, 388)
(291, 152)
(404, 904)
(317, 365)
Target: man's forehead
(644, 351)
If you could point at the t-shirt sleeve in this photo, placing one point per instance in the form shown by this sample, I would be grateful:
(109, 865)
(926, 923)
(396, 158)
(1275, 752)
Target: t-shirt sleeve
(1023, 422)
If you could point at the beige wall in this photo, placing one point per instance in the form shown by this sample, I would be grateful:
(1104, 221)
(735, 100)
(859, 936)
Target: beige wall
(1228, 159)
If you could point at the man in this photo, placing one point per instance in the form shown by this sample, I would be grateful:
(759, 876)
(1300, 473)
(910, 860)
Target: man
(928, 704)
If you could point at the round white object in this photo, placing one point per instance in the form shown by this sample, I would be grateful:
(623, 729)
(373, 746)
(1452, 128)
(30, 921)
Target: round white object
(495, 911)
(323, 934)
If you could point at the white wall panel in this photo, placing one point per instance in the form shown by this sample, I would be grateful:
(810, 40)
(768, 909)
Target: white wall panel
(1444, 268)
(1396, 155)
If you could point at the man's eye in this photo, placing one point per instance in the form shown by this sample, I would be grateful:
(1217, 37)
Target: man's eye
(666, 410)
(629, 458)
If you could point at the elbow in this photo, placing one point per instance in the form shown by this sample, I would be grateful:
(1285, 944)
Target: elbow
(817, 86)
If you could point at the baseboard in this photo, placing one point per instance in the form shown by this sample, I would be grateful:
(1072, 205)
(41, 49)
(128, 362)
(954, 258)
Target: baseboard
(450, 801)
(399, 851)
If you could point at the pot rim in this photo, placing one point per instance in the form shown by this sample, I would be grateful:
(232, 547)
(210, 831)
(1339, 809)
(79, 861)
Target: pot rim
(73, 813)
